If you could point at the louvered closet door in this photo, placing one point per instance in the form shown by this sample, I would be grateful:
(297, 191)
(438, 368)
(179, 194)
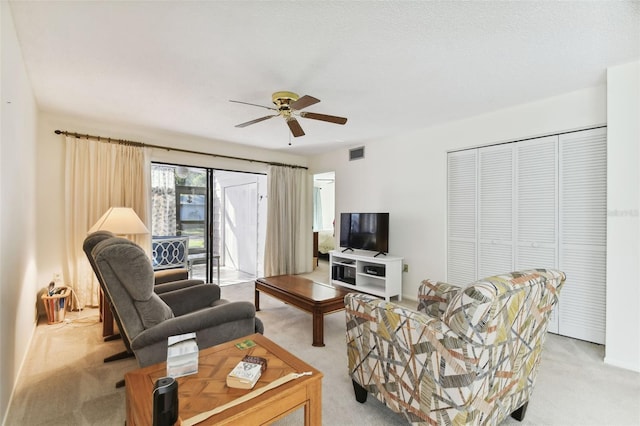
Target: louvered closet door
(537, 207)
(583, 224)
(461, 217)
(495, 208)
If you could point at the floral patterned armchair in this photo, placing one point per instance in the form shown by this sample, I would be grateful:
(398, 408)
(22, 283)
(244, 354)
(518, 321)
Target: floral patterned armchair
(467, 356)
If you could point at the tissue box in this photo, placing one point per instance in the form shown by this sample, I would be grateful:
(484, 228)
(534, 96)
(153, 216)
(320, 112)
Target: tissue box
(182, 355)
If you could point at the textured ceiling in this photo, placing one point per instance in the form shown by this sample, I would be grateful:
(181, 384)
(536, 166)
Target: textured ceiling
(389, 67)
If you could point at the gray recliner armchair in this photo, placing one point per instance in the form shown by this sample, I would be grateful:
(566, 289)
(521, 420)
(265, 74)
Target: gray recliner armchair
(147, 319)
(165, 281)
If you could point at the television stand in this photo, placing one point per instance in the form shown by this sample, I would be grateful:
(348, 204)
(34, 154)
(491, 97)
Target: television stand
(364, 272)
(380, 253)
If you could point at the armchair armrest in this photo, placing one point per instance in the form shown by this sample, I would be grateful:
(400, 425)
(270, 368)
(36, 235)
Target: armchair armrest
(169, 275)
(189, 299)
(433, 298)
(195, 322)
(175, 285)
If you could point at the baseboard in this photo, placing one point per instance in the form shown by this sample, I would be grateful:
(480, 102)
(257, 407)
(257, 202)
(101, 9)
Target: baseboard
(22, 363)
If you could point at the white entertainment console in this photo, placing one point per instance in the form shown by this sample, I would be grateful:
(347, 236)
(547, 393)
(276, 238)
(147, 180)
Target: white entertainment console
(361, 271)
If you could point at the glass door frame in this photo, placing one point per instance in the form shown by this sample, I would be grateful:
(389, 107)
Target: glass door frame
(214, 249)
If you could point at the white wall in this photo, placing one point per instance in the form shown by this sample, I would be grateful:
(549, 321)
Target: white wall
(623, 207)
(406, 176)
(18, 284)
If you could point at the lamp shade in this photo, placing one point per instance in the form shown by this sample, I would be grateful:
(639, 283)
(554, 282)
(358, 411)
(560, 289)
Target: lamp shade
(120, 221)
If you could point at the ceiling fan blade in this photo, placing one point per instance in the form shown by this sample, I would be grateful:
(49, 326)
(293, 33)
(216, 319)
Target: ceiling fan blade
(324, 117)
(304, 102)
(295, 127)
(248, 103)
(257, 120)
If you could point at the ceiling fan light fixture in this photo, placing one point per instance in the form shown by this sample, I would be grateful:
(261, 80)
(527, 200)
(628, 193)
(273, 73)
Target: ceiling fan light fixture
(288, 105)
(284, 98)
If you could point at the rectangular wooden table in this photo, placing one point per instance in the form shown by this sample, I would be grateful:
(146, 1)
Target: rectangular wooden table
(206, 390)
(317, 298)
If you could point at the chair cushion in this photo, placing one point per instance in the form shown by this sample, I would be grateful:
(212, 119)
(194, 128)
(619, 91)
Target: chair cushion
(484, 311)
(434, 298)
(133, 270)
(471, 311)
(153, 311)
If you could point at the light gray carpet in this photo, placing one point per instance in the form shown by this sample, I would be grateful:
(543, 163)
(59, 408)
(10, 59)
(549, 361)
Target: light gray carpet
(65, 382)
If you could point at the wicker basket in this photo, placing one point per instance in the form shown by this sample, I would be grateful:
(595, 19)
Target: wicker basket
(56, 305)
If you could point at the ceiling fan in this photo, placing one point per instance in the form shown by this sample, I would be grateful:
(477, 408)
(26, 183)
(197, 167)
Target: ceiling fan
(288, 105)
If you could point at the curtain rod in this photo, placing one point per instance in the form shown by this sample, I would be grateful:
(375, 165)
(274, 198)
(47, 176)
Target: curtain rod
(188, 151)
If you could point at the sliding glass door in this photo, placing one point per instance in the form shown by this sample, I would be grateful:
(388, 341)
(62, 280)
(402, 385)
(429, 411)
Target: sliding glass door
(221, 212)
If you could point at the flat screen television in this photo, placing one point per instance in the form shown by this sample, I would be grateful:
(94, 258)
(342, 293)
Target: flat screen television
(365, 231)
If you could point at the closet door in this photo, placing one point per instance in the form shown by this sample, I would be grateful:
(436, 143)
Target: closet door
(535, 204)
(461, 217)
(495, 209)
(583, 224)
(537, 207)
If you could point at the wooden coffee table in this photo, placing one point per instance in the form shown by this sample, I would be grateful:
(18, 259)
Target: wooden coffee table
(206, 390)
(317, 298)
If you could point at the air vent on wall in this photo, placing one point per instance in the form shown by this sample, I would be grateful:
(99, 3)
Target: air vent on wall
(356, 153)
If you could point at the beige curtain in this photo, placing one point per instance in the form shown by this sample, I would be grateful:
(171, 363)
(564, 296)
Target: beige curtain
(288, 245)
(98, 176)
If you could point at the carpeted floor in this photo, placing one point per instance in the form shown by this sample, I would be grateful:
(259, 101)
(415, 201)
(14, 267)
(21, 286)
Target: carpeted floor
(65, 382)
